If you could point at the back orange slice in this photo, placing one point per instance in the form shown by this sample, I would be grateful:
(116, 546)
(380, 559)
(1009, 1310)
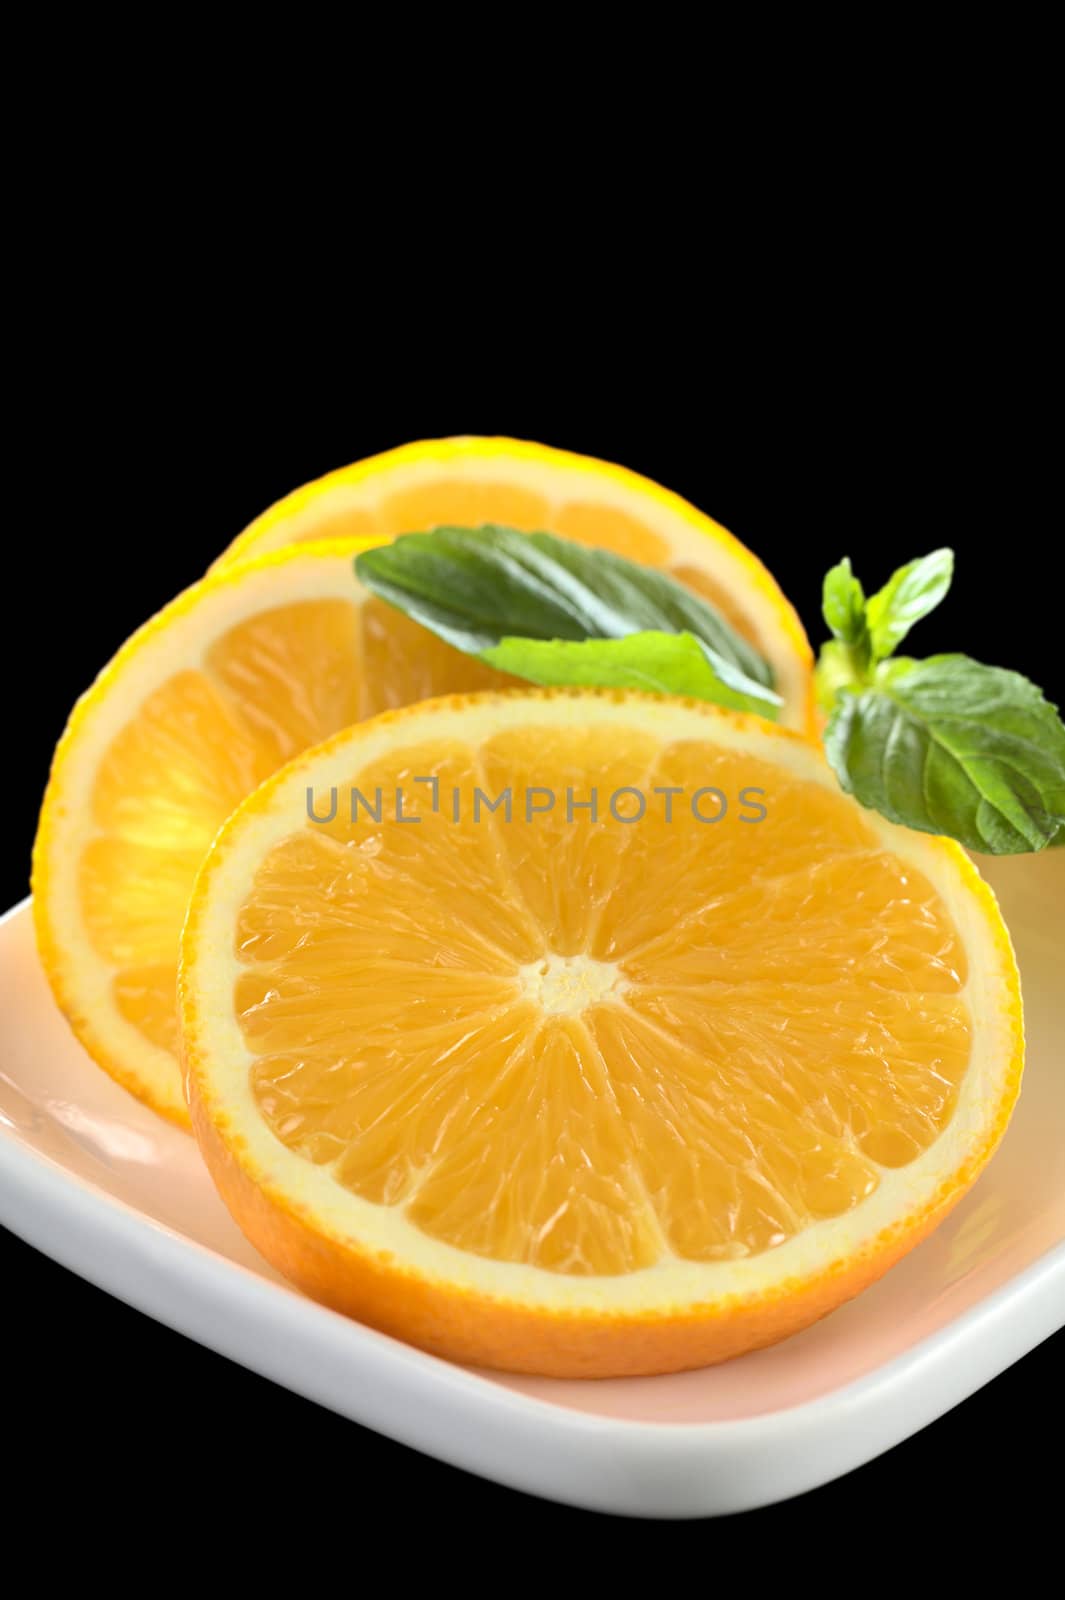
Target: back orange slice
(588, 1033)
(470, 481)
(228, 682)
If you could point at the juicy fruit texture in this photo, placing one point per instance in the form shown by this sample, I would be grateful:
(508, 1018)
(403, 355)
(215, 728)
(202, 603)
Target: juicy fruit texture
(594, 1050)
(157, 756)
(470, 481)
(705, 1088)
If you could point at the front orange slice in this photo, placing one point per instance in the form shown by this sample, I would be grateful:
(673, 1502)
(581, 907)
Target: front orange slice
(588, 1033)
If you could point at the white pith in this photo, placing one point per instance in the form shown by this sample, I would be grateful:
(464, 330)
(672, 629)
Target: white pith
(224, 1060)
(564, 985)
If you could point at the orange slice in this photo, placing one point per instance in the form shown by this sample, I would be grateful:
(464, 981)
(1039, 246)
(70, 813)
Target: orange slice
(578, 1093)
(470, 481)
(235, 677)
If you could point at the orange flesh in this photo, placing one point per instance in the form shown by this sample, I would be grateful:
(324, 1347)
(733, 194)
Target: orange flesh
(274, 686)
(494, 1025)
(269, 688)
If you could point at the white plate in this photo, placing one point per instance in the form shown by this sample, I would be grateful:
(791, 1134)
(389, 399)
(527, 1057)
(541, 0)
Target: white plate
(98, 1182)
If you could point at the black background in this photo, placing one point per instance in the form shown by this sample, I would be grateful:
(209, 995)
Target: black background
(148, 448)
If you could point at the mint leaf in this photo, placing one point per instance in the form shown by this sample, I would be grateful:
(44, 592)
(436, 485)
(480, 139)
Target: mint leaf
(909, 594)
(664, 663)
(480, 587)
(843, 604)
(475, 586)
(953, 747)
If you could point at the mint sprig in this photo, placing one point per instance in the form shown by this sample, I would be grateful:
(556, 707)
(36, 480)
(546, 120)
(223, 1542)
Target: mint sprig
(868, 631)
(556, 612)
(946, 745)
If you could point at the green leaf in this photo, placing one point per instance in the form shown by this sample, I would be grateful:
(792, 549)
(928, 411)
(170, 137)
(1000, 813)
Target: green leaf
(909, 594)
(476, 586)
(843, 604)
(533, 605)
(953, 747)
(666, 663)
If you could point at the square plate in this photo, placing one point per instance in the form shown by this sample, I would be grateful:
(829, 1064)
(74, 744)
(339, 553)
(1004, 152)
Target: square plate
(98, 1182)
